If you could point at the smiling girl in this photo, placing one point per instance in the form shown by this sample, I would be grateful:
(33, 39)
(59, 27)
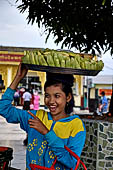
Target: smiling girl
(49, 132)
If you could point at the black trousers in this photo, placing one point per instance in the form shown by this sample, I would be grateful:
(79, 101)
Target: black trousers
(26, 105)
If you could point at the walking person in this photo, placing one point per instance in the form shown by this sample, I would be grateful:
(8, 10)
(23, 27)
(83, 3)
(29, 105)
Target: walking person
(26, 99)
(48, 132)
(26, 106)
(103, 107)
(110, 112)
(16, 98)
(36, 100)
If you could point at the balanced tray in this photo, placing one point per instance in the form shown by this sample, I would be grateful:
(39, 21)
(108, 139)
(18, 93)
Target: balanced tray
(63, 70)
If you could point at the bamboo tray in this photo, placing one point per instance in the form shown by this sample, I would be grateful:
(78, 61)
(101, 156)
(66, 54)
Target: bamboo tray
(51, 69)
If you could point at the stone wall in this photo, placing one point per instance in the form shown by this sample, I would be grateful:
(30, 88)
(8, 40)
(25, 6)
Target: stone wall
(98, 151)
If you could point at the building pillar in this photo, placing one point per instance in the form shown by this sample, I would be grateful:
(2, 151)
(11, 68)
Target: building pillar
(3, 72)
(9, 76)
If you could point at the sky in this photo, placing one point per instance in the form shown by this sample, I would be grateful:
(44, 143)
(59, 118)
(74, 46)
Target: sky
(15, 31)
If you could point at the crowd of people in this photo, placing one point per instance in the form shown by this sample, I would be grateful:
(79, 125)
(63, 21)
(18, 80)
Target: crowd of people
(31, 101)
(27, 99)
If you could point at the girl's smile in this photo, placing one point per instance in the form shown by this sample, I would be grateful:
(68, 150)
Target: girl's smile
(55, 99)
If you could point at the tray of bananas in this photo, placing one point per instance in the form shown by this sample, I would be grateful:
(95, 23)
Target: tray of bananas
(65, 62)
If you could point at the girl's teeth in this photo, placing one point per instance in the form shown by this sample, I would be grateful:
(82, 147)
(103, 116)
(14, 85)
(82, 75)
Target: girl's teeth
(52, 108)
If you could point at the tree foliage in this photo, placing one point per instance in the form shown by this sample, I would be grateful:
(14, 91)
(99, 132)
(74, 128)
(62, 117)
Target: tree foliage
(86, 25)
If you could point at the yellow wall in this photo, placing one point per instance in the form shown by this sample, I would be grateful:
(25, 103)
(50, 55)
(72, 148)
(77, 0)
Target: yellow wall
(8, 72)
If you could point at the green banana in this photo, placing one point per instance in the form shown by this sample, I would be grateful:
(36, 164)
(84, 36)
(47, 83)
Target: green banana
(87, 65)
(55, 56)
(32, 58)
(78, 58)
(67, 64)
(25, 52)
(100, 65)
(76, 65)
(42, 61)
(57, 63)
(47, 53)
(50, 60)
(72, 62)
(63, 54)
(24, 58)
(92, 66)
(59, 56)
(63, 63)
(56, 60)
(65, 59)
(82, 64)
(28, 57)
(39, 53)
(52, 53)
(36, 58)
(71, 54)
(46, 50)
(74, 54)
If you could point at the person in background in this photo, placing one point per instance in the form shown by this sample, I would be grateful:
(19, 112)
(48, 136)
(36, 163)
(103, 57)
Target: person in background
(48, 131)
(36, 100)
(110, 113)
(103, 108)
(21, 92)
(16, 98)
(27, 97)
(26, 100)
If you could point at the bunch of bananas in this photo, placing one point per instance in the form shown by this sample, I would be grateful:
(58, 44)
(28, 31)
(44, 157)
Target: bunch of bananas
(64, 59)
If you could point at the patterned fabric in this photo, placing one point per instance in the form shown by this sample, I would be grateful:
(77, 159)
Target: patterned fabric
(42, 149)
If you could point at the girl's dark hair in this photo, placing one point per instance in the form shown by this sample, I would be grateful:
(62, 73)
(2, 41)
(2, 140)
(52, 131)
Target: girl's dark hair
(67, 82)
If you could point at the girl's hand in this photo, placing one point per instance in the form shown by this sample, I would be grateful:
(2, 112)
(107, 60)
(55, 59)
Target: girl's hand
(21, 73)
(38, 125)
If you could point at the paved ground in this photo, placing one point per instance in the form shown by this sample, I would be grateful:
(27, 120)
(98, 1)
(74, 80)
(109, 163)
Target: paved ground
(12, 136)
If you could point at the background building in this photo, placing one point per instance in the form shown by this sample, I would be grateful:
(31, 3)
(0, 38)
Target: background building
(103, 83)
(95, 86)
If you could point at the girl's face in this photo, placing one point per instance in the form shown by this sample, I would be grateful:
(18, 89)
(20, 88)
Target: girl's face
(55, 99)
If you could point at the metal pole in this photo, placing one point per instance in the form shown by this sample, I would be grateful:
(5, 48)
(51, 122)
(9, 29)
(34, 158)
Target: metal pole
(26, 81)
(112, 84)
(87, 93)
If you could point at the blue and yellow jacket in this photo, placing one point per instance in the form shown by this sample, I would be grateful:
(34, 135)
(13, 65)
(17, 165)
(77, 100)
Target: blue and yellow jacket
(42, 149)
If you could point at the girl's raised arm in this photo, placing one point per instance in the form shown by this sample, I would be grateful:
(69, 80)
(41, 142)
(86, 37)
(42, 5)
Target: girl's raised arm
(21, 73)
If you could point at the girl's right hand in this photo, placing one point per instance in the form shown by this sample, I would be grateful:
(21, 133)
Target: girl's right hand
(37, 124)
(21, 73)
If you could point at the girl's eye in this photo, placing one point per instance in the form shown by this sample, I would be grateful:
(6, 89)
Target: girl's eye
(46, 96)
(57, 95)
